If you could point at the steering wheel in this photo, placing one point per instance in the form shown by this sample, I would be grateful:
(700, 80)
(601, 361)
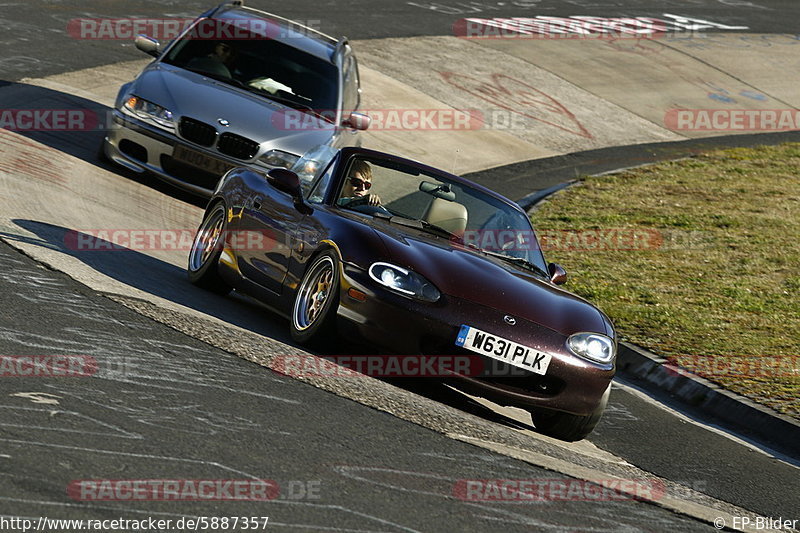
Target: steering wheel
(364, 207)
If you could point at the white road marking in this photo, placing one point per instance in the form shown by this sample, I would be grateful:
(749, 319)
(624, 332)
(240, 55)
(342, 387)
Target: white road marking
(38, 397)
(739, 439)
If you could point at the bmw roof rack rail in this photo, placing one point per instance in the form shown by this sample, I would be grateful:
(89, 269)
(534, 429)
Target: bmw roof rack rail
(213, 11)
(240, 3)
(340, 46)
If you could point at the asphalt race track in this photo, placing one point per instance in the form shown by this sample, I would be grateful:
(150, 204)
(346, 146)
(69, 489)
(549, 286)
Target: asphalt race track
(35, 39)
(183, 388)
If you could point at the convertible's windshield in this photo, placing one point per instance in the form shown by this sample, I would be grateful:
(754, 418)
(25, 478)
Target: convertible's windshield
(261, 65)
(468, 216)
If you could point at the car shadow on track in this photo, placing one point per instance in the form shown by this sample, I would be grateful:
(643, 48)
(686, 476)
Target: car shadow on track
(159, 278)
(441, 393)
(153, 276)
(73, 125)
(433, 388)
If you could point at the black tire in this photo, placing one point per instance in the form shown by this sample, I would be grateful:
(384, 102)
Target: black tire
(568, 427)
(207, 246)
(313, 319)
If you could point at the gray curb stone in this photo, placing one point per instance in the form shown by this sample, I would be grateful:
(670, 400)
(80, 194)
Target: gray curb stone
(745, 415)
(733, 410)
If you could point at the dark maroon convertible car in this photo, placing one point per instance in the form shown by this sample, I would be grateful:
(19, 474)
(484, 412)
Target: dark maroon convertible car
(415, 261)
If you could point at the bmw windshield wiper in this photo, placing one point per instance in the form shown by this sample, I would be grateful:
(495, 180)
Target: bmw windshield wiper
(287, 101)
(218, 77)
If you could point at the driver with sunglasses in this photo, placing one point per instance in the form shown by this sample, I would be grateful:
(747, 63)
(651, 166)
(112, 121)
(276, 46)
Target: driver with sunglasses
(357, 185)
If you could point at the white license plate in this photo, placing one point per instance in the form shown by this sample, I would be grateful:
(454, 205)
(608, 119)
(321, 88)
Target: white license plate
(200, 160)
(504, 350)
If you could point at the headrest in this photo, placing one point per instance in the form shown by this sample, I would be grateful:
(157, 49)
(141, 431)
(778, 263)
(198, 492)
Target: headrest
(451, 216)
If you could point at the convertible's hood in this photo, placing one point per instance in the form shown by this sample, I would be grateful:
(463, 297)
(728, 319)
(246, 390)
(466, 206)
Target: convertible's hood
(492, 282)
(188, 94)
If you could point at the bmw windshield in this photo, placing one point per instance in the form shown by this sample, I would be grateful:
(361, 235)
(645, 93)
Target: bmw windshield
(259, 64)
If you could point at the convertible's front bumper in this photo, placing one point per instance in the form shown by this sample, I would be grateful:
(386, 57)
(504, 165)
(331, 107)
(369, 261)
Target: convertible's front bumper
(406, 326)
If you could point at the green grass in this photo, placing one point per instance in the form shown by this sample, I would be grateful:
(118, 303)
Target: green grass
(716, 289)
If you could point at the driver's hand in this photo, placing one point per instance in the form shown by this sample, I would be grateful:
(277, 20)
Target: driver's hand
(373, 199)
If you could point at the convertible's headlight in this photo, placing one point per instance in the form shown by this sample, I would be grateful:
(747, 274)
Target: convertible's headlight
(150, 112)
(592, 346)
(279, 158)
(404, 281)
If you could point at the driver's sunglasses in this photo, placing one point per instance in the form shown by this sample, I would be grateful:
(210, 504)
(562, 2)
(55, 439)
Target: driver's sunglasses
(359, 183)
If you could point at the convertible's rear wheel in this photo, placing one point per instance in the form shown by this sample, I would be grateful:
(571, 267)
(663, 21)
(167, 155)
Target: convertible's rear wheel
(206, 249)
(570, 427)
(317, 300)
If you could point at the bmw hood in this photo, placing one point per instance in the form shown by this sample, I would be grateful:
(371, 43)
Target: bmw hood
(492, 282)
(250, 115)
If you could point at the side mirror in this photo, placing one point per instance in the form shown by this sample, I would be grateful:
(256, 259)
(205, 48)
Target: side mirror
(357, 121)
(285, 180)
(289, 182)
(557, 273)
(148, 45)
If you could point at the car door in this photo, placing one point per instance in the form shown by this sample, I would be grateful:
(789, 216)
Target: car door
(267, 235)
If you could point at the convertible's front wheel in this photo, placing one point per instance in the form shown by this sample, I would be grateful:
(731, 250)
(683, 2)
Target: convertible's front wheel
(570, 427)
(206, 249)
(317, 300)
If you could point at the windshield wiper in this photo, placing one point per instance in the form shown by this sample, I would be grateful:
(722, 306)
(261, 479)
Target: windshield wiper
(516, 260)
(438, 229)
(416, 223)
(218, 77)
(288, 101)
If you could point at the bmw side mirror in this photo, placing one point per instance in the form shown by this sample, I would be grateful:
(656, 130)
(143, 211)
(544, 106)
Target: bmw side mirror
(289, 182)
(148, 45)
(357, 121)
(557, 273)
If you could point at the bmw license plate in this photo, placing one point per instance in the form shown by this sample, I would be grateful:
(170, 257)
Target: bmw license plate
(200, 160)
(502, 349)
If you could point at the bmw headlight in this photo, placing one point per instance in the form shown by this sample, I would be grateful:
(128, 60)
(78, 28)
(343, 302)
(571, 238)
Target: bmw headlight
(313, 161)
(592, 346)
(150, 112)
(404, 281)
(279, 158)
